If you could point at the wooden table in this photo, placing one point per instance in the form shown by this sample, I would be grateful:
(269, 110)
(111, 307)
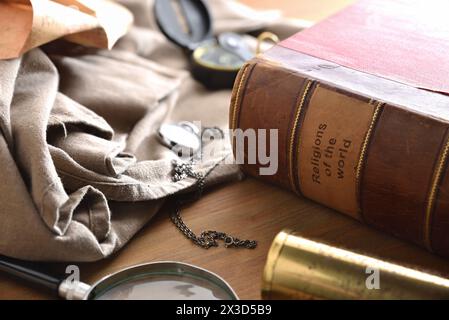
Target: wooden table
(312, 10)
(248, 209)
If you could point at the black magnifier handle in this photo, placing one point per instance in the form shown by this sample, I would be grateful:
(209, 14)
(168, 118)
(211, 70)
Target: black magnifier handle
(64, 288)
(21, 270)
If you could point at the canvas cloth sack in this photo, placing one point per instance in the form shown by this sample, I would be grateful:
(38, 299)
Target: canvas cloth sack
(81, 167)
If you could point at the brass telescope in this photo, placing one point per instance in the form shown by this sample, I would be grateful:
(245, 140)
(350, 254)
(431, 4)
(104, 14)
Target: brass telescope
(298, 268)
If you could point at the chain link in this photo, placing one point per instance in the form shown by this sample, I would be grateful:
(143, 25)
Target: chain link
(209, 238)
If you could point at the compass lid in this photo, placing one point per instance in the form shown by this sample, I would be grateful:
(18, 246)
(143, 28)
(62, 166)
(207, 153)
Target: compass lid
(187, 23)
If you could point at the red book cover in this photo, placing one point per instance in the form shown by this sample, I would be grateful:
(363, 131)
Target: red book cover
(402, 40)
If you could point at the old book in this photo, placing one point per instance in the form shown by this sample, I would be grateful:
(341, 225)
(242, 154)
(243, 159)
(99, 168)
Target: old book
(361, 107)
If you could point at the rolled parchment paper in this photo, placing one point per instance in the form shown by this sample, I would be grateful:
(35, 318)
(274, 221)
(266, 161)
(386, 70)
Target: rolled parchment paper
(27, 24)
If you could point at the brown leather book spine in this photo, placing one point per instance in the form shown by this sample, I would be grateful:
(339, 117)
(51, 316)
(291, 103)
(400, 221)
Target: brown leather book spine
(368, 147)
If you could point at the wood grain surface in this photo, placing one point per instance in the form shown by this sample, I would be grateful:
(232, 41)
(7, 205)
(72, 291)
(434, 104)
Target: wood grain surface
(312, 10)
(248, 209)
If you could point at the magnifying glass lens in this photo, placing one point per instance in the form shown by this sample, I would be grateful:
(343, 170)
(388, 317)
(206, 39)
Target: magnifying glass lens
(164, 288)
(183, 283)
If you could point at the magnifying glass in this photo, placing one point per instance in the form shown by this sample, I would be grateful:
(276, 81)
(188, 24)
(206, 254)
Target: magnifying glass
(166, 280)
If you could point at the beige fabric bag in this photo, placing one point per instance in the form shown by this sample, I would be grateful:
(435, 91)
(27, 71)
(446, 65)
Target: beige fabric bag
(82, 170)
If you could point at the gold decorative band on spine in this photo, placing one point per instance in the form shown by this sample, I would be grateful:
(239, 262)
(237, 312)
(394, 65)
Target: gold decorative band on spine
(236, 106)
(364, 150)
(294, 133)
(436, 180)
(365, 144)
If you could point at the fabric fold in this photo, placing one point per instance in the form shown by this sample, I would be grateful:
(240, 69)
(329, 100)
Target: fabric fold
(67, 112)
(34, 95)
(94, 153)
(8, 70)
